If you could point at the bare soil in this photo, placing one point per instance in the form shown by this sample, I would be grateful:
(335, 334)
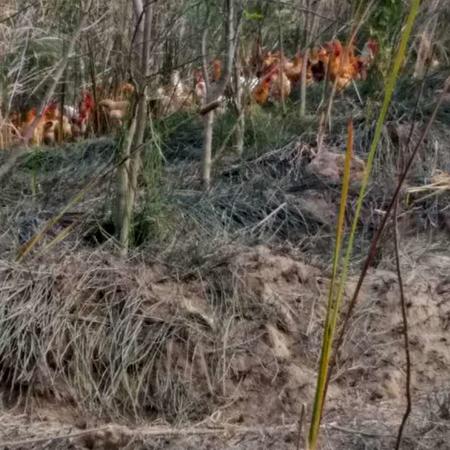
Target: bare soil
(242, 362)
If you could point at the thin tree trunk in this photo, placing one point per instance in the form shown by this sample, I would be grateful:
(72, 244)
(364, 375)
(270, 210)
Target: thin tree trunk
(281, 63)
(306, 36)
(133, 145)
(239, 104)
(207, 149)
(123, 218)
(60, 135)
(240, 133)
(142, 106)
(94, 88)
(138, 8)
(4, 132)
(213, 95)
(303, 83)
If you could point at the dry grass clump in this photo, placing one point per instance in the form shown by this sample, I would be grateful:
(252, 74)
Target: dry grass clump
(97, 332)
(233, 334)
(122, 338)
(134, 339)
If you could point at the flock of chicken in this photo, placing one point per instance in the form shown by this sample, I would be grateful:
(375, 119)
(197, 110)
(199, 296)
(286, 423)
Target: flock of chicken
(333, 61)
(54, 126)
(270, 77)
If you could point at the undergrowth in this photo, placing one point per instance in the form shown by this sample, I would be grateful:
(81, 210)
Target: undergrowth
(254, 200)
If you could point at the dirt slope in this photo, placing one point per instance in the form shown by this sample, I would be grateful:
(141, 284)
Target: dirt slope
(220, 353)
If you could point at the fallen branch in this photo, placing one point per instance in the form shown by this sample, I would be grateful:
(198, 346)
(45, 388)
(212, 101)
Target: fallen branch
(211, 106)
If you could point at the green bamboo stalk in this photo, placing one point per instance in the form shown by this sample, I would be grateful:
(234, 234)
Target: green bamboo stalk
(334, 307)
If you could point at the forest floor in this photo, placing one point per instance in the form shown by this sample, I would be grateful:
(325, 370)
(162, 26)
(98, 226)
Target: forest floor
(208, 335)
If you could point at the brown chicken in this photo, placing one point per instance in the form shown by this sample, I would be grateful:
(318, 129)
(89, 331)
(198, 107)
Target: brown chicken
(335, 58)
(115, 110)
(53, 132)
(37, 136)
(51, 112)
(318, 63)
(55, 128)
(261, 92)
(217, 70)
(280, 86)
(293, 69)
(368, 54)
(270, 61)
(126, 90)
(342, 66)
(49, 132)
(272, 86)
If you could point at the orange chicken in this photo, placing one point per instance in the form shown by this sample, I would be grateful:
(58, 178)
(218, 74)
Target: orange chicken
(270, 62)
(335, 58)
(126, 90)
(217, 70)
(37, 136)
(341, 63)
(55, 127)
(272, 86)
(49, 132)
(342, 66)
(293, 69)
(51, 111)
(261, 92)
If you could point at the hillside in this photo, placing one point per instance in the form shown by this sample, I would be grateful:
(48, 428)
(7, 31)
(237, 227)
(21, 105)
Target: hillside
(168, 225)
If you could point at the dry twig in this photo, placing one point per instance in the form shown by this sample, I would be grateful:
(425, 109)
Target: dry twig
(405, 331)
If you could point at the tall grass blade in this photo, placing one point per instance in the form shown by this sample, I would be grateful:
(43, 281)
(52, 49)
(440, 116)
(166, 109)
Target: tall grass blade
(333, 307)
(331, 318)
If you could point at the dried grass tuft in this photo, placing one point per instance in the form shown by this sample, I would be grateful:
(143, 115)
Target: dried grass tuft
(123, 338)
